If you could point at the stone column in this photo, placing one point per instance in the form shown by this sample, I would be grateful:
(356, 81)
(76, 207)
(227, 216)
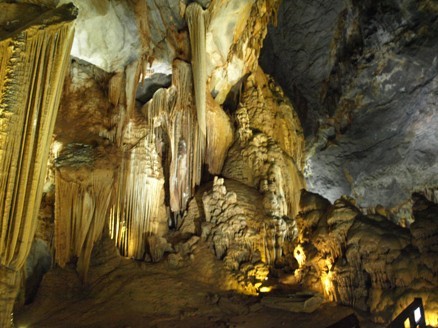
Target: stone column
(33, 62)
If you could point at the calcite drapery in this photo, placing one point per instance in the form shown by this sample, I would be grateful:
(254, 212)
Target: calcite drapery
(138, 211)
(32, 68)
(169, 125)
(84, 190)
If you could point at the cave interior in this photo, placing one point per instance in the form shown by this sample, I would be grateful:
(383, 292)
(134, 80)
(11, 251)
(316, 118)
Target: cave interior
(218, 163)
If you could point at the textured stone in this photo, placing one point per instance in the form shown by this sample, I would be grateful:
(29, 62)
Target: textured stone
(106, 34)
(368, 262)
(363, 77)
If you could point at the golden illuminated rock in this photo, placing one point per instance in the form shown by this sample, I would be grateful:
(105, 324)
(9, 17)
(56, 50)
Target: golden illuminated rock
(33, 64)
(84, 183)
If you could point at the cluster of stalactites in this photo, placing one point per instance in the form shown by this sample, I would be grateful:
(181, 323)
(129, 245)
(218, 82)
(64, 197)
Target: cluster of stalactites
(168, 127)
(82, 202)
(33, 64)
(138, 209)
(172, 116)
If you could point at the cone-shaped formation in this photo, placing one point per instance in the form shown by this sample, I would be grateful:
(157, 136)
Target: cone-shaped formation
(32, 69)
(196, 23)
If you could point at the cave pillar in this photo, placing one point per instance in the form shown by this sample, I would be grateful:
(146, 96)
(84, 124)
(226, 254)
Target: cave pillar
(33, 63)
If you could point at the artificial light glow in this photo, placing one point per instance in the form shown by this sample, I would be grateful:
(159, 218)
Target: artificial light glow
(327, 283)
(265, 289)
(431, 318)
(299, 255)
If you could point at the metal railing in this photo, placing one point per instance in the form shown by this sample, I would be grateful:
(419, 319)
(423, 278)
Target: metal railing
(414, 313)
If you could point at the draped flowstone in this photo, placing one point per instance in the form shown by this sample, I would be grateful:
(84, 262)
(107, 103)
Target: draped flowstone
(33, 64)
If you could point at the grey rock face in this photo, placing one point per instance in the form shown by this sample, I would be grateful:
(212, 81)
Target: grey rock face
(363, 77)
(297, 53)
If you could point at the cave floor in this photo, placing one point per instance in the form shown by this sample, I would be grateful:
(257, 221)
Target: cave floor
(121, 293)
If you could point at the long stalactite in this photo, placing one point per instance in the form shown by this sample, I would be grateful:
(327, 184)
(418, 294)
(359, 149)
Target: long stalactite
(33, 64)
(138, 210)
(186, 141)
(196, 22)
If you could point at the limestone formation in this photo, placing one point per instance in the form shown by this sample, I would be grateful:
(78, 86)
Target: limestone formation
(196, 24)
(351, 71)
(180, 179)
(32, 67)
(235, 34)
(367, 261)
(269, 160)
(84, 193)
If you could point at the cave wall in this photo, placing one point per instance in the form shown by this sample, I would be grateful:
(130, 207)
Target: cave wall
(363, 78)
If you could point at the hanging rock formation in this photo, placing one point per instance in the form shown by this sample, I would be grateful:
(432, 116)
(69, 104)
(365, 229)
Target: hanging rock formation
(84, 183)
(33, 64)
(196, 23)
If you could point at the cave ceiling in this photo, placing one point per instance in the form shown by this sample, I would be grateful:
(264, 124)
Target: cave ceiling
(363, 79)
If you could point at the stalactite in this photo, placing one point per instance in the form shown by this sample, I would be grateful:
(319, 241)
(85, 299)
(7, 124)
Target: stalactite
(168, 121)
(32, 68)
(133, 73)
(196, 23)
(186, 141)
(82, 200)
(219, 136)
(138, 211)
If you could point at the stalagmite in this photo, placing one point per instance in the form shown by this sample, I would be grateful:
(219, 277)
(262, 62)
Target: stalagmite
(32, 68)
(239, 230)
(196, 23)
(269, 151)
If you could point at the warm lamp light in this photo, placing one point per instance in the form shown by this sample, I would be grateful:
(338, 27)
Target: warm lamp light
(299, 255)
(265, 289)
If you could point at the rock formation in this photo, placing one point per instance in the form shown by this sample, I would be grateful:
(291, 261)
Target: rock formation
(363, 78)
(180, 178)
(369, 262)
(35, 57)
